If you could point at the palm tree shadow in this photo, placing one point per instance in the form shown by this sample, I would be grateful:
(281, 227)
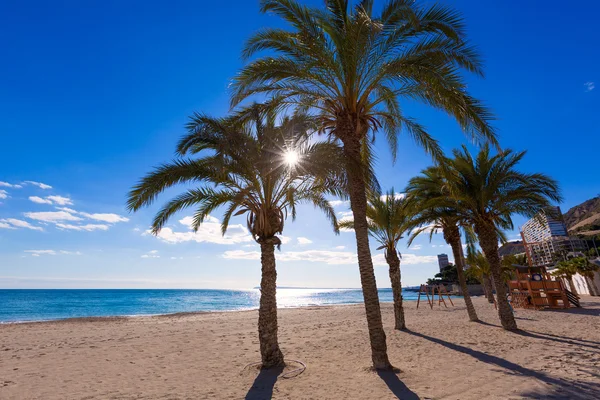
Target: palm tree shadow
(560, 387)
(262, 387)
(398, 388)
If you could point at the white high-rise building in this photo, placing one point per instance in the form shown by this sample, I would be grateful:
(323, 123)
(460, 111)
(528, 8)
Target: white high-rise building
(443, 261)
(546, 238)
(546, 225)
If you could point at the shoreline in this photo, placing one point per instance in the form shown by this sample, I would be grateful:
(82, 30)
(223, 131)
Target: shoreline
(110, 318)
(184, 313)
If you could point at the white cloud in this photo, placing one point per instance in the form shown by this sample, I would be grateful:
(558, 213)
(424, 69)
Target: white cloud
(242, 255)
(4, 225)
(337, 203)
(345, 216)
(37, 253)
(397, 196)
(416, 247)
(413, 259)
(327, 257)
(52, 216)
(303, 240)
(3, 194)
(151, 254)
(209, 231)
(86, 227)
(75, 253)
(110, 218)
(60, 200)
(339, 247)
(17, 223)
(39, 200)
(6, 184)
(39, 184)
(284, 239)
(589, 86)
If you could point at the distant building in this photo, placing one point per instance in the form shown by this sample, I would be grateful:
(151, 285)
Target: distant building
(545, 225)
(546, 238)
(443, 261)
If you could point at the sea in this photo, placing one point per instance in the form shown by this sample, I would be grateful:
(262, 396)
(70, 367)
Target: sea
(23, 305)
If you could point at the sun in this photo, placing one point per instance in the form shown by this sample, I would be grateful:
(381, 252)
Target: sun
(291, 158)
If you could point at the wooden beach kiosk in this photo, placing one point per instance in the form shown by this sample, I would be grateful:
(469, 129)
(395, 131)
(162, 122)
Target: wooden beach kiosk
(535, 289)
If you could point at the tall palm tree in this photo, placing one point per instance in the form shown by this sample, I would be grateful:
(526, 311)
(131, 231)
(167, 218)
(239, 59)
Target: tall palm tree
(433, 209)
(387, 222)
(249, 165)
(351, 68)
(489, 190)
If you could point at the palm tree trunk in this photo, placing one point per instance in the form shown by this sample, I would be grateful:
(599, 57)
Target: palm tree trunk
(452, 235)
(267, 313)
(395, 278)
(572, 285)
(358, 204)
(488, 240)
(489, 290)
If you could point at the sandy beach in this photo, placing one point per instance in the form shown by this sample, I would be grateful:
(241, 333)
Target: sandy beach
(202, 356)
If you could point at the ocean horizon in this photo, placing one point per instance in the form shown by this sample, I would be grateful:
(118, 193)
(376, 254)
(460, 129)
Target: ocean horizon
(29, 305)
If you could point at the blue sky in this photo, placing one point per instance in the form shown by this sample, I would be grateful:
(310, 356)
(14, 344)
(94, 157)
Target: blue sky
(95, 93)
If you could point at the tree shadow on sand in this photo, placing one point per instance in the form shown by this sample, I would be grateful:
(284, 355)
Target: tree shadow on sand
(262, 387)
(559, 388)
(554, 338)
(398, 388)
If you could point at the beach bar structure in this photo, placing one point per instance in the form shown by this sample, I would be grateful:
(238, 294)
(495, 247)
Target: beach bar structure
(534, 288)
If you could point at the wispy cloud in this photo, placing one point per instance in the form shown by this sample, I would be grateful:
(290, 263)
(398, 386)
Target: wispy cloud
(589, 86)
(209, 232)
(338, 203)
(39, 200)
(52, 216)
(86, 227)
(303, 241)
(37, 253)
(151, 254)
(327, 257)
(13, 223)
(110, 218)
(38, 184)
(3, 194)
(14, 186)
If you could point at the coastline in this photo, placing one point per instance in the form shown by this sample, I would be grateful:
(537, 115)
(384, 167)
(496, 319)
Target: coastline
(203, 355)
(21, 306)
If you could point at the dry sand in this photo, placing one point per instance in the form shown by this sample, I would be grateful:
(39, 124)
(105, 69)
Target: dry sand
(202, 356)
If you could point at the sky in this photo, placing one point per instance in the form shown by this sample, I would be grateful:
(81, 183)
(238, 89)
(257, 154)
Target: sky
(94, 94)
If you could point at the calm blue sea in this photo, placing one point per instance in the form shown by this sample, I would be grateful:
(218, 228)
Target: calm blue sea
(41, 304)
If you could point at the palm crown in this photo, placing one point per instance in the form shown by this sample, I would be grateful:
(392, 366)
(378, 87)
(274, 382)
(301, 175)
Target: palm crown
(387, 219)
(352, 67)
(489, 189)
(242, 165)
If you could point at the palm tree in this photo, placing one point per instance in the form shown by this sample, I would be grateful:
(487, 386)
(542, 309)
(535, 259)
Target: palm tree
(244, 163)
(387, 222)
(433, 209)
(566, 269)
(351, 67)
(490, 190)
(480, 270)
